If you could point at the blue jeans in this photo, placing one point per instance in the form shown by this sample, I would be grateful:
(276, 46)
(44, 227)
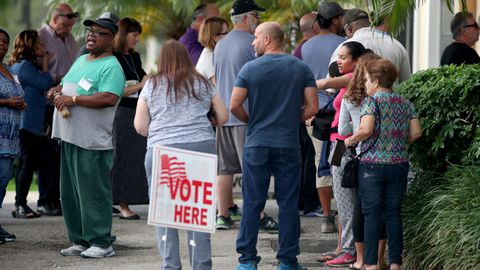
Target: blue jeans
(6, 164)
(259, 163)
(170, 248)
(382, 187)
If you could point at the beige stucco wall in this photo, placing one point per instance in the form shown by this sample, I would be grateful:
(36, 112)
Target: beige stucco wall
(429, 30)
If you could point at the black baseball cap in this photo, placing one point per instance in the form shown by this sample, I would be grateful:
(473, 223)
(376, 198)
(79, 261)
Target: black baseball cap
(104, 23)
(330, 10)
(244, 6)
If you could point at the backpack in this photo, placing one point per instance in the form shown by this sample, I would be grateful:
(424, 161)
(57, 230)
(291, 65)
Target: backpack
(322, 124)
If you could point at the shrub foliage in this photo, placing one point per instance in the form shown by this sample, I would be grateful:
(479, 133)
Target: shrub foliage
(447, 101)
(442, 205)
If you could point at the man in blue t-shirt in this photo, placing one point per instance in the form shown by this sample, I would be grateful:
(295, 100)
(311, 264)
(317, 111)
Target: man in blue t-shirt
(276, 85)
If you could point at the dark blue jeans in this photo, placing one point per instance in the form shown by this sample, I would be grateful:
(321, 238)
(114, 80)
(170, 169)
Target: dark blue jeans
(382, 187)
(259, 163)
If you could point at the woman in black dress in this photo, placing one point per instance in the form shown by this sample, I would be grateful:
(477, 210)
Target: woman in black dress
(129, 183)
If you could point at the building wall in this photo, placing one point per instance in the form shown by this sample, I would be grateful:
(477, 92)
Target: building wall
(431, 31)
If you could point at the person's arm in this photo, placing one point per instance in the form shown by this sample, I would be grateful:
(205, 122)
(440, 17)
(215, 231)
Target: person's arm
(221, 113)
(98, 100)
(405, 70)
(367, 126)
(30, 75)
(345, 126)
(335, 83)
(239, 95)
(127, 91)
(310, 107)
(414, 130)
(142, 117)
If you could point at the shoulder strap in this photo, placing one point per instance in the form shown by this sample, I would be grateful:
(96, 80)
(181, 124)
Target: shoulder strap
(379, 128)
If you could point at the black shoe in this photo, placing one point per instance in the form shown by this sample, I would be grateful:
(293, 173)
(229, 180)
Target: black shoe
(49, 210)
(23, 211)
(115, 212)
(6, 236)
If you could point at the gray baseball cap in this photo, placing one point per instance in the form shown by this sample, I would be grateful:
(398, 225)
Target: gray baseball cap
(111, 16)
(353, 15)
(104, 23)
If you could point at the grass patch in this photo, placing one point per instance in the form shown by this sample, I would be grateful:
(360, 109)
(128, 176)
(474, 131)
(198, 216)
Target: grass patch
(442, 221)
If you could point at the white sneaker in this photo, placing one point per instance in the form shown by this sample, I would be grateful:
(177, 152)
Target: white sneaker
(74, 250)
(98, 252)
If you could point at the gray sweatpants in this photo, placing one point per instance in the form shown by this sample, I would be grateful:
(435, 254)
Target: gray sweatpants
(167, 238)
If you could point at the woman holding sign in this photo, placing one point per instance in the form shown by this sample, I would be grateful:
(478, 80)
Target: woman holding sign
(172, 111)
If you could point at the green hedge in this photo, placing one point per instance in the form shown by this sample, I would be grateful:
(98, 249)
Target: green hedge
(442, 204)
(447, 101)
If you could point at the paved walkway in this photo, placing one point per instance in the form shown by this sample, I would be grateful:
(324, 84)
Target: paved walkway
(40, 240)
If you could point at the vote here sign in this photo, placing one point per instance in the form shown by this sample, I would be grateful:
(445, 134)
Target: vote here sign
(183, 190)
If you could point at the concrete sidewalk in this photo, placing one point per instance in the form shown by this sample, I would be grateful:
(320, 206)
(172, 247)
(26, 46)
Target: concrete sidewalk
(39, 242)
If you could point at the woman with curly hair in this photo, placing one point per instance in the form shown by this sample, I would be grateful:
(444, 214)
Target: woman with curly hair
(348, 123)
(36, 81)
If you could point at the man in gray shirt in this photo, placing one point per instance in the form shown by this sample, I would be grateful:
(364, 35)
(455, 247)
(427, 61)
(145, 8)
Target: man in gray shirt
(316, 53)
(231, 53)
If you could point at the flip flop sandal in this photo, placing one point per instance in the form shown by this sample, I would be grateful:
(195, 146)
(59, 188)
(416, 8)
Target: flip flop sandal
(350, 266)
(326, 256)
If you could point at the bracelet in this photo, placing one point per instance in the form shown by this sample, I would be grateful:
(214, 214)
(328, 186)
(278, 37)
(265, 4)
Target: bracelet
(74, 99)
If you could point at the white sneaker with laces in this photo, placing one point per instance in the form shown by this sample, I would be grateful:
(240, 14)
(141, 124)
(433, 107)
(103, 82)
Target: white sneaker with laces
(98, 252)
(74, 250)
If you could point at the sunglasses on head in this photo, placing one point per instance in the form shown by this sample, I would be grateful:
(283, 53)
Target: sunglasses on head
(70, 15)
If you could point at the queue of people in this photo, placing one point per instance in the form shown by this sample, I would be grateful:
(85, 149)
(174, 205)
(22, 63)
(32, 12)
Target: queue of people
(234, 93)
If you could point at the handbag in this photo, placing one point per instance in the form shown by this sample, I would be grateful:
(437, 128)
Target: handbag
(351, 161)
(322, 124)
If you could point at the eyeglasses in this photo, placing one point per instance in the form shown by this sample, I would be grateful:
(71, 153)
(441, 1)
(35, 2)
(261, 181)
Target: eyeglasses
(95, 33)
(222, 33)
(70, 15)
(474, 25)
(255, 15)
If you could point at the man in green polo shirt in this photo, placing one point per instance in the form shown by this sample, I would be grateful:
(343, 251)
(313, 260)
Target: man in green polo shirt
(91, 91)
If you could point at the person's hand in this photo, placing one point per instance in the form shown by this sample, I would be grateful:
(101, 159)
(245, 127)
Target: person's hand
(45, 60)
(349, 143)
(308, 122)
(63, 101)
(57, 90)
(16, 103)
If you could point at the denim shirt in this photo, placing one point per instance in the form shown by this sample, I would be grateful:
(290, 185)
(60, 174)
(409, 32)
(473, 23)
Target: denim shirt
(35, 83)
